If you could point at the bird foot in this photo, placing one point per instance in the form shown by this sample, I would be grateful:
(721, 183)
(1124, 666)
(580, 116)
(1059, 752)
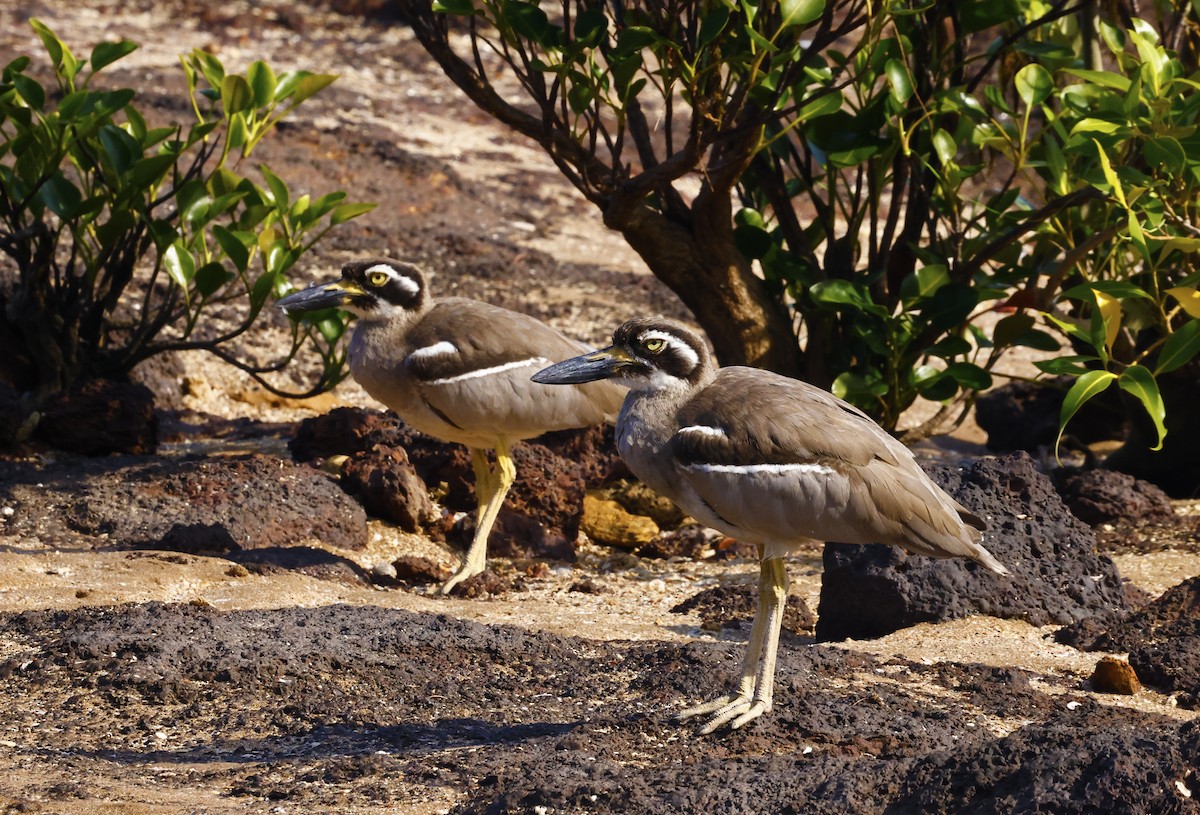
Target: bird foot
(466, 572)
(735, 710)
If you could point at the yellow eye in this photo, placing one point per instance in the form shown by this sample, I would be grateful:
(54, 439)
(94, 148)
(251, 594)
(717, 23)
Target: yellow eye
(377, 278)
(655, 345)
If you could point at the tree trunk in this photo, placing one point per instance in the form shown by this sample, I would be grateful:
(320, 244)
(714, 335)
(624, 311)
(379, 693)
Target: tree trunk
(701, 264)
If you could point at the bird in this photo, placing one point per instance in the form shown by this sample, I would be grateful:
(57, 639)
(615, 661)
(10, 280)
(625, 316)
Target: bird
(457, 369)
(768, 460)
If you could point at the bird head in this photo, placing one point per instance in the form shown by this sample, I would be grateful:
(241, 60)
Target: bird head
(371, 289)
(650, 353)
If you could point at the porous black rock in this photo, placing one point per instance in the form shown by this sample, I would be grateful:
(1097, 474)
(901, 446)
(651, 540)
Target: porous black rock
(1056, 574)
(1162, 640)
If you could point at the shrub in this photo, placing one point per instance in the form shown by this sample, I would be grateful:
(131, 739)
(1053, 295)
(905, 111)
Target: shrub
(125, 239)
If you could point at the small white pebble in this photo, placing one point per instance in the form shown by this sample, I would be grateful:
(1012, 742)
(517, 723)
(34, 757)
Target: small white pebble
(8, 512)
(1183, 789)
(161, 735)
(1072, 705)
(384, 568)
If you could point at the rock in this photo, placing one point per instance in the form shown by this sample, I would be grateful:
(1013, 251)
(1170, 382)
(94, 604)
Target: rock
(607, 522)
(1086, 760)
(540, 516)
(1162, 639)
(732, 606)
(98, 417)
(11, 414)
(1114, 675)
(1056, 575)
(1024, 416)
(487, 584)
(639, 499)
(388, 487)
(343, 431)
(549, 490)
(417, 570)
(1108, 497)
(199, 539)
(592, 448)
(210, 505)
(694, 542)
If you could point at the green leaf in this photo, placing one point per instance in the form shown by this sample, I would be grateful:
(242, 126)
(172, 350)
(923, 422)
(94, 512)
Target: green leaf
(976, 15)
(950, 347)
(107, 53)
(1009, 328)
(1066, 366)
(1034, 84)
(713, 24)
(121, 148)
(60, 196)
(1105, 79)
(1117, 289)
(950, 306)
(236, 95)
(345, 212)
(211, 277)
(969, 375)
(1180, 348)
(64, 61)
(279, 190)
(1188, 298)
(933, 384)
(262, 287)
(842, 295)
(1166, 153)
(856, 388)
(463, 8)
(591, 27)
(233, 247)
(1139, 382)
(1087, 386)
(899, 80)
(821, 106)
(945, 146)
(332, 327)
(1109, 175)
(180, 264)
(303, 85)
(262, 81)
(33, 93)
(530, 22)
(801, 12)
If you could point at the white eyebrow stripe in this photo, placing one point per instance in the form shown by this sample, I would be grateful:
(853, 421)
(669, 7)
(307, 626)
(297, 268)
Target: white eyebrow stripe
(404, 281)
(751, 469)
(541, 362)
(438, 349)
(674, 342)
(703, 430)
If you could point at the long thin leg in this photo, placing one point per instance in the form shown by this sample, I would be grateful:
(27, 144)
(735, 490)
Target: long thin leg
(755, 690)
(490, 489)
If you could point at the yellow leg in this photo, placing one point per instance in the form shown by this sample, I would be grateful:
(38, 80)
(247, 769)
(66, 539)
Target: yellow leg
(756, 685)
(491, 486)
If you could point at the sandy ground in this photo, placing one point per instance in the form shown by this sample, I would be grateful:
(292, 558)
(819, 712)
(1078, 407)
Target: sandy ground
(637, 597)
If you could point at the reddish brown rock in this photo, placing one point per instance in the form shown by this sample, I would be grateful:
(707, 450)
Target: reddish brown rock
(98, 417)
(1114, 675)
(388, 487)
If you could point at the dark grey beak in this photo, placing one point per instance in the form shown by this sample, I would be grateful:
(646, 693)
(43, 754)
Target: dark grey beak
(321, 295)
(586, 368)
